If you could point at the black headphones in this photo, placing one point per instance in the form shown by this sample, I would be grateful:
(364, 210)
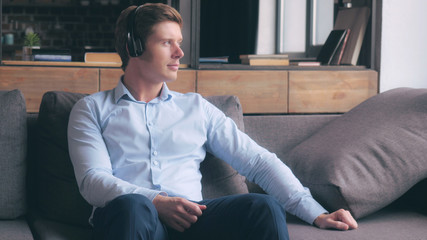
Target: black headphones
(134, 44)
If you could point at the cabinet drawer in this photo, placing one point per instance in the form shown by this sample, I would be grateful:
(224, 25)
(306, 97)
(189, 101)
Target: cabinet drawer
(258, 91)
(330, 91)
(35, 81)
(186, 81)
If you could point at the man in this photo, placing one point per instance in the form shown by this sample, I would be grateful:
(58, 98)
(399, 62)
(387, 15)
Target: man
(136, 152)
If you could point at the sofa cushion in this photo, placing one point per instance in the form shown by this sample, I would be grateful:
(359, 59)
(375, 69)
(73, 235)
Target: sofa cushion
(58, 195)
(59, 198)
(219, 178)
(13, 148)
(369, 156)
(15, 229)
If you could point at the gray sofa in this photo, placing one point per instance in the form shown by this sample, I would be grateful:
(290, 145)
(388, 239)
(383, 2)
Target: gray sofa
(371, 160)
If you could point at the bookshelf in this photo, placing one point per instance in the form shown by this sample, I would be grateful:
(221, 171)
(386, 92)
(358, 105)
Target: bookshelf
(261, 89)
(205, 26)
(211, 28)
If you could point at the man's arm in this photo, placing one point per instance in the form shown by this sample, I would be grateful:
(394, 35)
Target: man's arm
(91, 161)
(264, 168)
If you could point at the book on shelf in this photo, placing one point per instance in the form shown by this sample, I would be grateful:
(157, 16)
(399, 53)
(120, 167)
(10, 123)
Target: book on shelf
(331, 47)
(265, 59)
(52, 54)
(222, 59)
(52, 57)
(337, 58)
(51, 51)
(102, 57)
(305, 63)
(356, 19)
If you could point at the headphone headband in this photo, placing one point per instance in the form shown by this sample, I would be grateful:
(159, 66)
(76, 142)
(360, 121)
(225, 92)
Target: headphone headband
(134, 43)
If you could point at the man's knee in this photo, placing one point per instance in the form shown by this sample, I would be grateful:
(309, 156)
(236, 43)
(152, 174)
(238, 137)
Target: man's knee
(130, 216)
(127, 209)
(263, 201)
(130, 201)
(131, 204)
(266, 217)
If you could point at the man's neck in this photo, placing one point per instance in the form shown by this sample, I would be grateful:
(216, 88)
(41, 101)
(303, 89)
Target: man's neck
(142, 90)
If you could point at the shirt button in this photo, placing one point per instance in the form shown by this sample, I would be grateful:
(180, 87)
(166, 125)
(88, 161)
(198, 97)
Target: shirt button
(155, 153)
(156, 163)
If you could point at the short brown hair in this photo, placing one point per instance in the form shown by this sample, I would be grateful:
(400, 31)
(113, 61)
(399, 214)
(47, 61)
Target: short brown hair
(146, 17)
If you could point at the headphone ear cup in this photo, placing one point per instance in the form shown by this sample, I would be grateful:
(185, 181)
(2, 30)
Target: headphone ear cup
(131, 45)
(134, 44)
(139, 49)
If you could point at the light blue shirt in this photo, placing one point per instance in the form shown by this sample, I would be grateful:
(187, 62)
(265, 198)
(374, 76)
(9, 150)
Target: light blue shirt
(119, 146)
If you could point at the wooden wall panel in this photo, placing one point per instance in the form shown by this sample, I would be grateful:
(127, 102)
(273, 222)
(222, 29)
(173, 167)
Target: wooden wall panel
(35, 81)
(186, 81)
(330, 91)
(258, 91)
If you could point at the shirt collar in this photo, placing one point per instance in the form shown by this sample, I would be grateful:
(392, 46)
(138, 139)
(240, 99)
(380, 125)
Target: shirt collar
(121, 92)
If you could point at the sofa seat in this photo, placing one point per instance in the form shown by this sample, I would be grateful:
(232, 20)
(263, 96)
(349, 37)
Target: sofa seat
(386, 224)
(54, 230)
(17, 229)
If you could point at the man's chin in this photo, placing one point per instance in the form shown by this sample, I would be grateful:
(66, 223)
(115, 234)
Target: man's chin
(170, 80)
(171, 77)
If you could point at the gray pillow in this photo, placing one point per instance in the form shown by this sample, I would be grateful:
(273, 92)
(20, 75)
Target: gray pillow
(368, 157)
(13, 149)
(219, 178)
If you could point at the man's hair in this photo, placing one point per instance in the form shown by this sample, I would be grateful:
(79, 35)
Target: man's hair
(146, 17)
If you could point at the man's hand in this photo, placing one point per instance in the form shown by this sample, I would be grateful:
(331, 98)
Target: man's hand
(340, 219)
(177, 213)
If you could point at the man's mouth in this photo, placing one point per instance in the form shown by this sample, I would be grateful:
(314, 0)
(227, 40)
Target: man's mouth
(174, 66)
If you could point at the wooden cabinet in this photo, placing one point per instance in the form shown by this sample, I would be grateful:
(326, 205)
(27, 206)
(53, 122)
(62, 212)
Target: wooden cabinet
(35, 81)
(330, 91)
(186, 81)
(259, 91)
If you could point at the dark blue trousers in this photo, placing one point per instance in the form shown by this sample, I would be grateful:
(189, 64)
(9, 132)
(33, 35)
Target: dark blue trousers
(246, 216)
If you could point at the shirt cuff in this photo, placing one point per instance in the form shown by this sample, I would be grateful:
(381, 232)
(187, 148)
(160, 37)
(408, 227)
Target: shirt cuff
(310, 209)
(149, 193)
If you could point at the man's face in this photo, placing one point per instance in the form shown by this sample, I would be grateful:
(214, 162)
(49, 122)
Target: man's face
(162, 53)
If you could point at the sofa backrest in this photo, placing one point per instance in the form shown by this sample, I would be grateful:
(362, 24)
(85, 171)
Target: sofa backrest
(281, 133)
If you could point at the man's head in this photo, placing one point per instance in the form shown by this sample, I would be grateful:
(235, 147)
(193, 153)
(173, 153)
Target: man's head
(137, 23)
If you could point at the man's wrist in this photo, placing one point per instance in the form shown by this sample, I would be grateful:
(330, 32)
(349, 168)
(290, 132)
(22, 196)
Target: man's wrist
(317, 221)
(159, 197)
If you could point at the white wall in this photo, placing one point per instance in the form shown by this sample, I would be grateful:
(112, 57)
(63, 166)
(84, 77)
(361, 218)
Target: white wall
(293, 34)
(404, 44)
(266, 36)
